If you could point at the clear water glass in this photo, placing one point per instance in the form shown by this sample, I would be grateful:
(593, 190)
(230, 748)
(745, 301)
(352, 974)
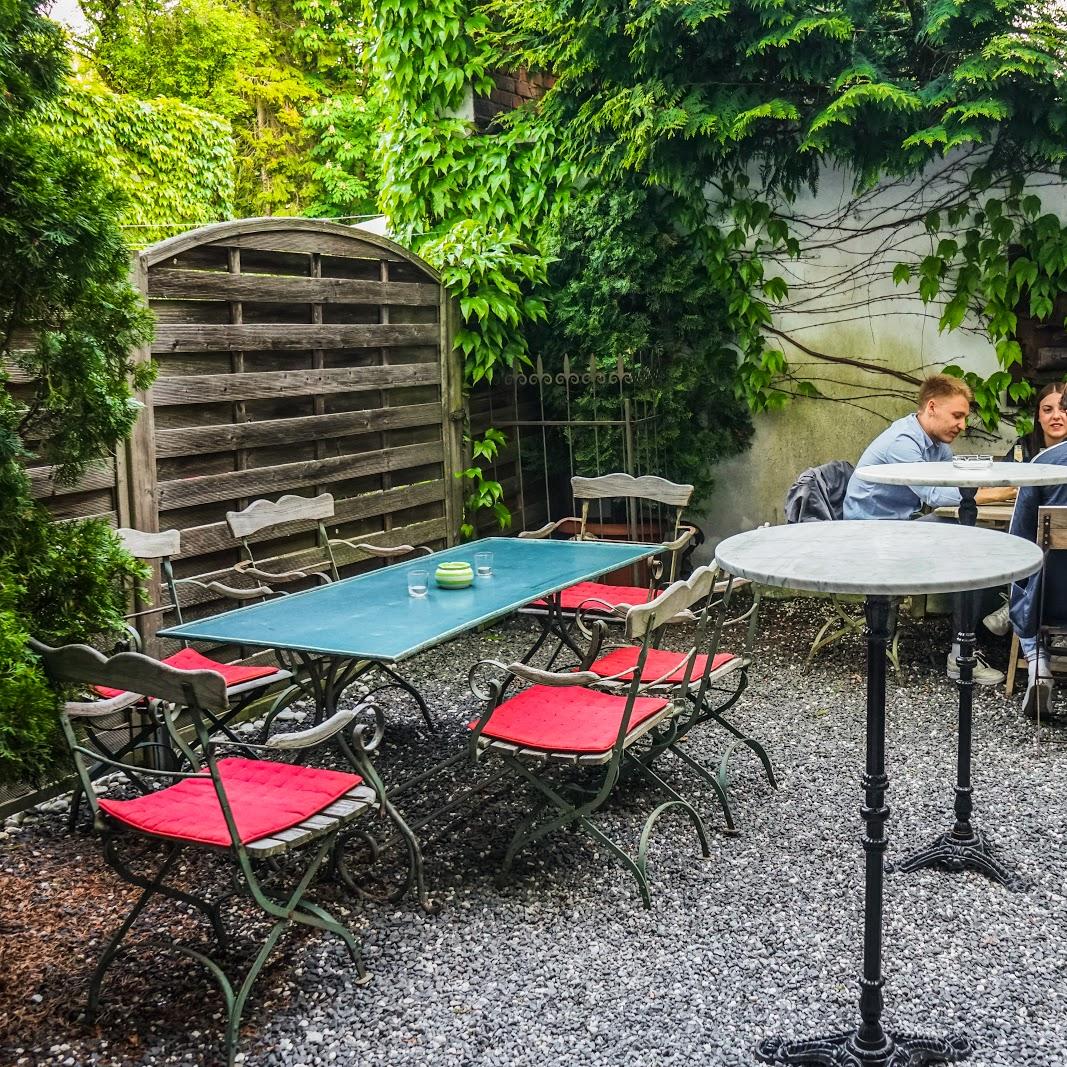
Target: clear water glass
(483, 564)
(418, 582)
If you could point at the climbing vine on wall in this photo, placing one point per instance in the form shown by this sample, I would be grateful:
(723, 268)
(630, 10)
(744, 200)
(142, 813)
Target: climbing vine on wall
(737, 108)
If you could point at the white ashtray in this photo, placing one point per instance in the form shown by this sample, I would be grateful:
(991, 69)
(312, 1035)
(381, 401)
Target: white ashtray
(972, 463)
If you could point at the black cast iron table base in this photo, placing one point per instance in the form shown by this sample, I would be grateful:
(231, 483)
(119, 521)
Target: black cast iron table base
(963, 847)
(846, 1049)
(869, 1044)
(956, 853)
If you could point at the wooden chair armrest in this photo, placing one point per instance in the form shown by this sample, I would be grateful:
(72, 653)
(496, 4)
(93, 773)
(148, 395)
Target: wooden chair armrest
(547, 529)
(247, 567)
(687, 535)
(382, 551)
(314, 735)
(230, 591)
(556, 678)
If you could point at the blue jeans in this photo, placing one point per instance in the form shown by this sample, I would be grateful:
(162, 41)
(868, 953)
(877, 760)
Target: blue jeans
(1028, 646)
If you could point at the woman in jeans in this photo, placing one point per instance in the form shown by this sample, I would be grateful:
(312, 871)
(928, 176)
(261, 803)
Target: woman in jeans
(1047, 443)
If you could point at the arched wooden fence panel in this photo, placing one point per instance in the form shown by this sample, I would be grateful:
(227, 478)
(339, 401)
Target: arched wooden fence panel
(295, 356)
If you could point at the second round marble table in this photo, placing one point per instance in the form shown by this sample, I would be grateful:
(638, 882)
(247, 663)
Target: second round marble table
(951, 849)
(880, 559)
(999, 475)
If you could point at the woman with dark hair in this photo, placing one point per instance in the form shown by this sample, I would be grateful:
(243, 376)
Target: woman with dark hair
(1047, 443)
(1050, 428)
(1050, 422)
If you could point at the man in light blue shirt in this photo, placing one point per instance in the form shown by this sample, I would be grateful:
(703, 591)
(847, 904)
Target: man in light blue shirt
(922, 437)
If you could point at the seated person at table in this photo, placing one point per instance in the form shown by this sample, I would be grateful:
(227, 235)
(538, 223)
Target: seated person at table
(1026, 594)
(1050, 428)
(924, 436)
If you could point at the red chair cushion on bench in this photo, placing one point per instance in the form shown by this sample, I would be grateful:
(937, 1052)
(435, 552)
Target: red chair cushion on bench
(574, 596)
(265, 799)
(657, 663)
(565, 720)
(188, 659)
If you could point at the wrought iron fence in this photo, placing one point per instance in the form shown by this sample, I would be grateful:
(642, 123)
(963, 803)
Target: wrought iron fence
(588, 421)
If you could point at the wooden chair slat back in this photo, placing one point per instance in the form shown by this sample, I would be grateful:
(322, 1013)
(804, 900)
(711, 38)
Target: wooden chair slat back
(647, 487)
(646, 618)
(1052, 527)
(263, 513)
(134, 673)
(150, 545)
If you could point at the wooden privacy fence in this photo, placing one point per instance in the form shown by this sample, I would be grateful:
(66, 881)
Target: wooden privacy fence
(295, 356)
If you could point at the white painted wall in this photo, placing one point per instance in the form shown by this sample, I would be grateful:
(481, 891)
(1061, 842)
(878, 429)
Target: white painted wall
(843, 302)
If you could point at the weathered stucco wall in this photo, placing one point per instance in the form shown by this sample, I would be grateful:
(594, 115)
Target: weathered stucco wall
(843, 303)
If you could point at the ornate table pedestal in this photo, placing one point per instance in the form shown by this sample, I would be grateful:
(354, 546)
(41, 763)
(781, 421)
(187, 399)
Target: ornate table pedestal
(963, 847)
(881, 560)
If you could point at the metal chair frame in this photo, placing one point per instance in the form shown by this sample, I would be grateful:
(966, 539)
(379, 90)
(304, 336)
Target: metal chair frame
(202, 693)
(562, 799)
(265, 514)
(709, 695)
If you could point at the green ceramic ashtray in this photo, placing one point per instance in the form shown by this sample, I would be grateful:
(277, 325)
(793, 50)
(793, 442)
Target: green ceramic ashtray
(455, 574)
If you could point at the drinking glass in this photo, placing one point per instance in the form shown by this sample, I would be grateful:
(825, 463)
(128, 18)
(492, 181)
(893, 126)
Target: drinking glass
(483, 564)
(418, 581)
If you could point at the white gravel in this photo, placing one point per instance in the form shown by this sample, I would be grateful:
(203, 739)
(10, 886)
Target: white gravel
(564, 965)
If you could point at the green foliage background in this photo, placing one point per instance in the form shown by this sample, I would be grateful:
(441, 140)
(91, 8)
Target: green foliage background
(68, 322)
(623, 288)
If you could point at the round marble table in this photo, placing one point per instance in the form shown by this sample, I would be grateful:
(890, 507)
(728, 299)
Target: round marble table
(968, 482)
(950, 849)
(882, 560)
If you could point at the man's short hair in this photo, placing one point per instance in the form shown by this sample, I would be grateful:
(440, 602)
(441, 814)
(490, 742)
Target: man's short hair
(942, 385)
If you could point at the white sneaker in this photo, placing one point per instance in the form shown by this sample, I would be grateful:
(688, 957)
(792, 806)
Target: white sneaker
(997, 622)
(983, 674)
(1038, 689)
(1036, 701)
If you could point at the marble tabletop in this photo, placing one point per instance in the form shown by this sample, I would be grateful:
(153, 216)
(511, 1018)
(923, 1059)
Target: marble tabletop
(946, 473)
(884, 557)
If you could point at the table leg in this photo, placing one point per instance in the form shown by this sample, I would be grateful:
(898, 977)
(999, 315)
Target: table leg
(963, 847)
(869, 1044)
(968, 511)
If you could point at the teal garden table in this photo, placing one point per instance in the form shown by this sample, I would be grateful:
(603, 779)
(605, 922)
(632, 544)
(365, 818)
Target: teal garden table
(340, 631)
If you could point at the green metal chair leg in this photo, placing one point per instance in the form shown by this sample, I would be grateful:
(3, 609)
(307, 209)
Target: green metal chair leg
(650, 822)
(623, 856)
(712, 780)
(233, 1023)
(150, 889)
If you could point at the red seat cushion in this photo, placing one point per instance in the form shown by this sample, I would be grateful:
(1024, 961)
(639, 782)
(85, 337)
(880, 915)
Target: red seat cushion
(565, 720)
(574, 596)
(191, 660)
(265, 799)
(657, 663)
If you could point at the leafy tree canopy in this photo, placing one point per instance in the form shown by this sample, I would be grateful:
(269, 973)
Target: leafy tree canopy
(69, 320)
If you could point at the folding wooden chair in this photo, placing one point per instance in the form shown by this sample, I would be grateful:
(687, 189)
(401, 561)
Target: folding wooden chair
(244, 810)
(566, 723)
(718, 678)
(319, 563)
(244, 682)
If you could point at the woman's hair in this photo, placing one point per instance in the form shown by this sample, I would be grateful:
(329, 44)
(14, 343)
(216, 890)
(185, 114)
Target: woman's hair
(1034, 441)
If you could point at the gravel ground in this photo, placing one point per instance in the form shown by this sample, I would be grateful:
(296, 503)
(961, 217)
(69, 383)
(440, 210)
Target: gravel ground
(562, 963)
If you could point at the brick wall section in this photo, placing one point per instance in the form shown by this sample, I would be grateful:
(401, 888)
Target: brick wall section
(510, 91)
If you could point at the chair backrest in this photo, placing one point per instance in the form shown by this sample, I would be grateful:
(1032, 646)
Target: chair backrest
(694, 590)
(1052, 527)
(818, 494)
(633, 490)
(168, 688)
(647, 487)
(262, 515)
